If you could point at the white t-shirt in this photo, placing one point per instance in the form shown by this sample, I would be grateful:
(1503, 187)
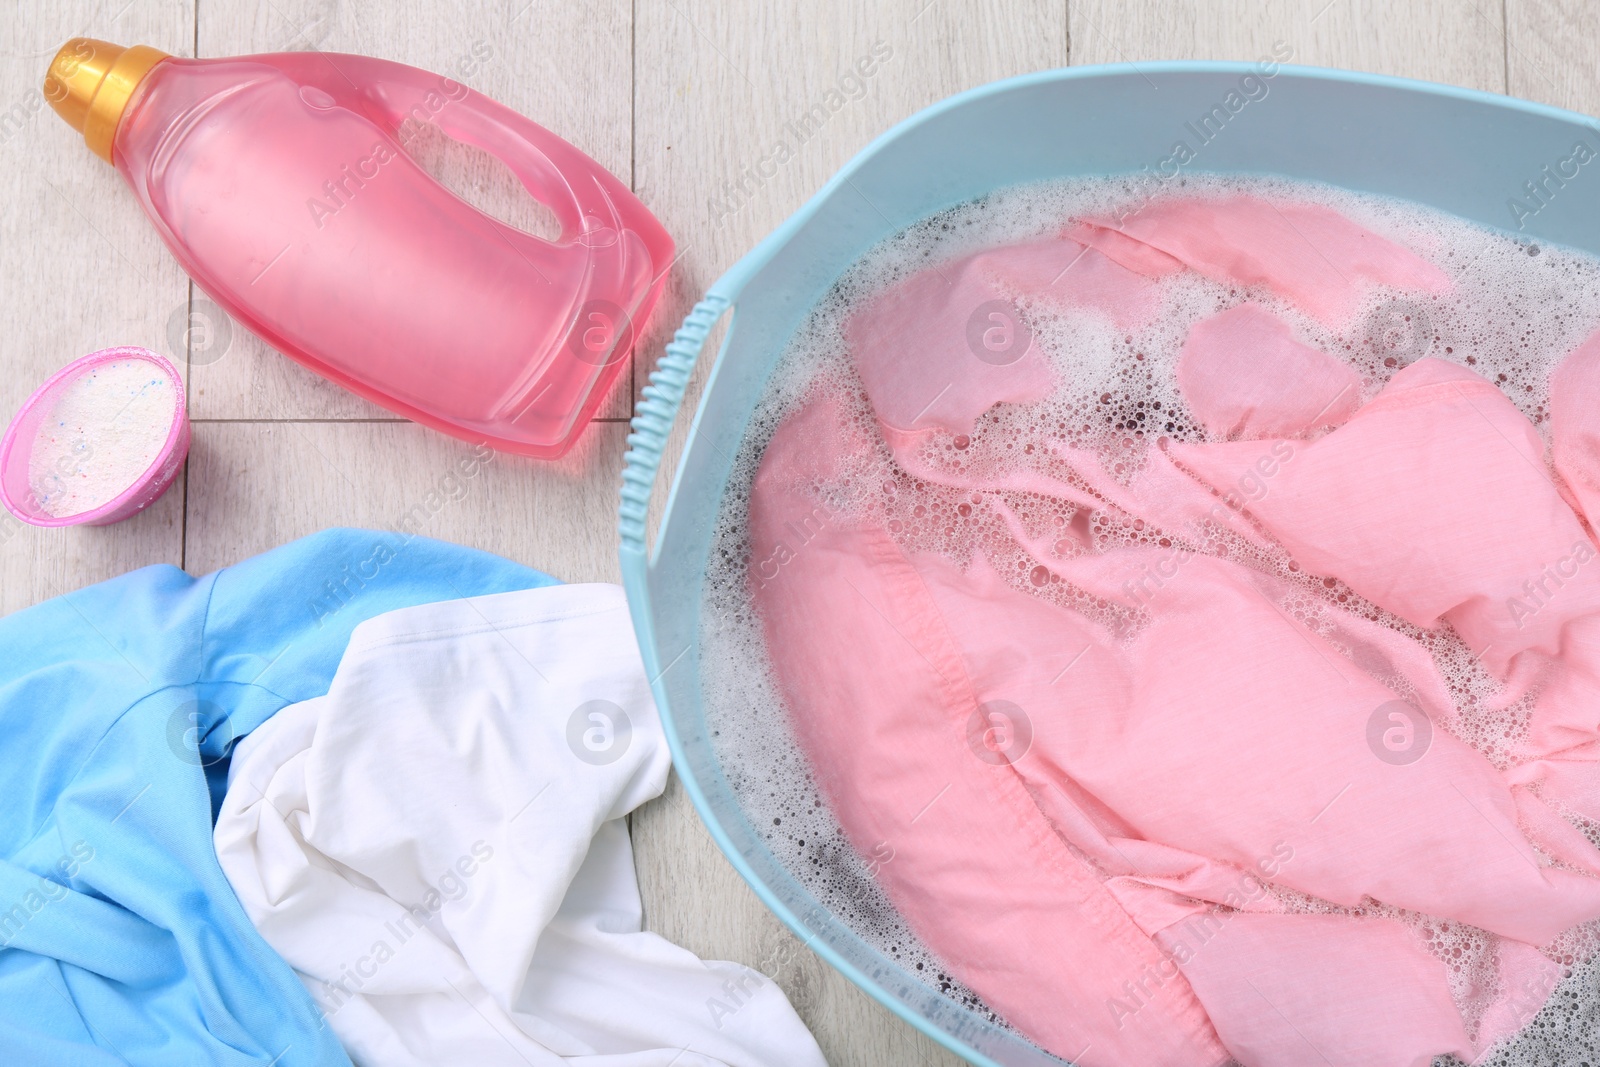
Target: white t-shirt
(437, 847)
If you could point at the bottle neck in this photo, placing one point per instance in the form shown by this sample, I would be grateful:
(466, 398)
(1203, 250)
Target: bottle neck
(90, 84)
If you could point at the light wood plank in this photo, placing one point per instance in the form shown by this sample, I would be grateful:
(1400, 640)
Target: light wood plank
(256, 485)
(566, 66)
(1454, 41)
(718, 87)
(80, 269)
(1550, 53)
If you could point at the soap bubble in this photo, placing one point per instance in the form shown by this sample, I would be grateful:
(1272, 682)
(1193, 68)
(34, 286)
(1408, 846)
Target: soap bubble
(1508, 316)
(1400, 330)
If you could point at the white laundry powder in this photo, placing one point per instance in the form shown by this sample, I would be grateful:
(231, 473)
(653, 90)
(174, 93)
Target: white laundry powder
(104, 431)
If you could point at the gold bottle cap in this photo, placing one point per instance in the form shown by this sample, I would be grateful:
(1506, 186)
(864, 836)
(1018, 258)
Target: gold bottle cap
(90, 83)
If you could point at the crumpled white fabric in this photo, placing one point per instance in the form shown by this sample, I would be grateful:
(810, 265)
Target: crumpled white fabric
(437, 847)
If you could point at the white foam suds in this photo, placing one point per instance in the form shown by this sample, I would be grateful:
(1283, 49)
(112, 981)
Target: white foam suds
(1514, 311)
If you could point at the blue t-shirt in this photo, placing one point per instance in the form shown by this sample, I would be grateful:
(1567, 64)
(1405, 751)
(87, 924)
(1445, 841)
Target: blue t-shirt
(120, 939)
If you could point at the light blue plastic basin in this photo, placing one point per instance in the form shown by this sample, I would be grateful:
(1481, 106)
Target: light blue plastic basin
(1465, 152)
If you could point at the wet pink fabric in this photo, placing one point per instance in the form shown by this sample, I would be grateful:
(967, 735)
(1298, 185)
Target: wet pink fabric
(1273, 974)
(1575, 427)
(1127, 251)
(1307, 253)
(1285, 735)
(976, 346)
(1245, 376)
(1435, 503)
(1108, 778)
(1054, 950)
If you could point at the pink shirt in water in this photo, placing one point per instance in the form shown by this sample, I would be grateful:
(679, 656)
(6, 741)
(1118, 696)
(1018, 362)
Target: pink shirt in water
(1104, 772)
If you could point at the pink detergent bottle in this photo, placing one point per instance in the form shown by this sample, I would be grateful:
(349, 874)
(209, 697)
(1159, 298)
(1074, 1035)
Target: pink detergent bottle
(282, 185)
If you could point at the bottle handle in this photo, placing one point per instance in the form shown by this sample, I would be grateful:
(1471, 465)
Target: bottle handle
(555, 173)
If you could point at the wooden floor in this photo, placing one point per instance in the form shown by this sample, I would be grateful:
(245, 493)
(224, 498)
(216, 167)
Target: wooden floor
(676, 96)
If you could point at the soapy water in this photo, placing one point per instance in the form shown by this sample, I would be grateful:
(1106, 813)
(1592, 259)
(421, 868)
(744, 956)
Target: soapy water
(1515, 309)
